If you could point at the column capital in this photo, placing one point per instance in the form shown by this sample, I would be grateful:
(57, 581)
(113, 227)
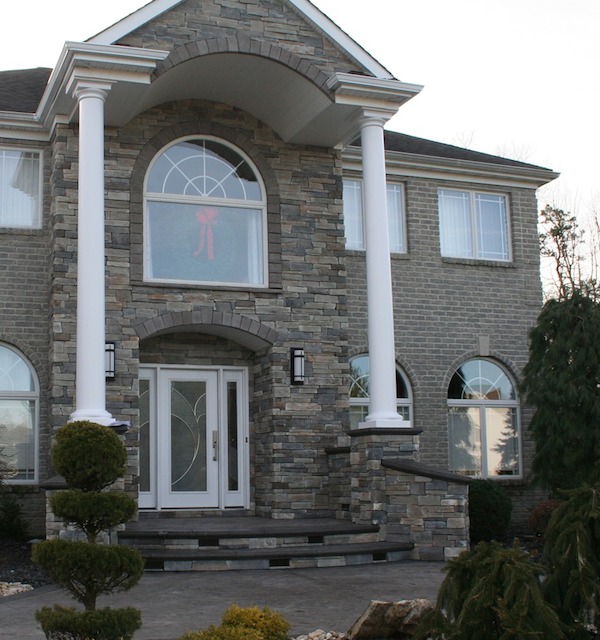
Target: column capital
(372, 117)
(81, 88)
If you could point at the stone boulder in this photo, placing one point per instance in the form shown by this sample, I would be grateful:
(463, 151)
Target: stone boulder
(390, 620)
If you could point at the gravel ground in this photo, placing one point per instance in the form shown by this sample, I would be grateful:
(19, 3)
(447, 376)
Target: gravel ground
(16, 564)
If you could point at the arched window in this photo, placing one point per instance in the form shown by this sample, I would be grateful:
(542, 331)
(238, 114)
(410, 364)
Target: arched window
(19, 408)
(483, 421)
(204, 216)
(359, 392)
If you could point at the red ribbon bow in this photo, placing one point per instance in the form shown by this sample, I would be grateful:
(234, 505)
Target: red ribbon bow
(207, 219)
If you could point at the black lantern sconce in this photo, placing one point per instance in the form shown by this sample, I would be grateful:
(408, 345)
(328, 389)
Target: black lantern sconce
(109, 360)
(297, 365)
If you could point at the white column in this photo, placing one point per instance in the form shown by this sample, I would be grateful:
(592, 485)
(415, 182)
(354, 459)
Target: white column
(90, 383)
(382, 362)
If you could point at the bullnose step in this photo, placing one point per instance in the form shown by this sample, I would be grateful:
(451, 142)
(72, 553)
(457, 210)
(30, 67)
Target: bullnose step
(204, 544)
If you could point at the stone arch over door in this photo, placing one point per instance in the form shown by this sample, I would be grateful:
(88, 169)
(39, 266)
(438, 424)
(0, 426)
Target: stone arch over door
(246, 331)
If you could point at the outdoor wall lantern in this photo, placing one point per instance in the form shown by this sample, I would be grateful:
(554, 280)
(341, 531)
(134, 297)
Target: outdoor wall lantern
(109, 360)
(297, 365)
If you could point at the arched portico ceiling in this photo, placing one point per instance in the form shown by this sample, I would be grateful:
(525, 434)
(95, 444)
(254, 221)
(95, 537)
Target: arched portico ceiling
(274, 93)
(299, 102)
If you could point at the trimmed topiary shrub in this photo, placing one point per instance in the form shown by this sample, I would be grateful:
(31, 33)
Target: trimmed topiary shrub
(92, 511)
(89, 570)
(66, 623)
(89, 456)
(490, 508)
(245, 623)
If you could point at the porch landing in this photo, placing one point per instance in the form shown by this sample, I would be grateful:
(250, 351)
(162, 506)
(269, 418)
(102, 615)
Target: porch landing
(213, 543)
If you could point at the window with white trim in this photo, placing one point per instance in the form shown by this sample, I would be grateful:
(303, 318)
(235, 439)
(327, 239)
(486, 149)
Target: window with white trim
(359, 392)
(20, 189)
(483, 421)
(19, 409)
(204, 216)
(354, 217)
(473, 225)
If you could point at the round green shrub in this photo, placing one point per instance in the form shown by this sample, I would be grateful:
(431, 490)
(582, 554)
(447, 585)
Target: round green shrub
(91, 511)
(64, 623)
(490, 508)
(271, 624)
(224, 633)
(89, 570)
(89, 456)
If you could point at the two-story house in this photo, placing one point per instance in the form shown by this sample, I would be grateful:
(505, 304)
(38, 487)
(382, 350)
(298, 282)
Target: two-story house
(208, 239)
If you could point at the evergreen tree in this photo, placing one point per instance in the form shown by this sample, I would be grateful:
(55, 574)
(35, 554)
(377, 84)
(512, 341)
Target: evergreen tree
(491, 593)
(562, 381)
(572, 553)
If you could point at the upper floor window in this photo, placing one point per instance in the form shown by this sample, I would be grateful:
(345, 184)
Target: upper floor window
(19, 397)
(20, 189)
(354, 218)
(483, 421)
(473, 225)
(359, 392)
(205, 216)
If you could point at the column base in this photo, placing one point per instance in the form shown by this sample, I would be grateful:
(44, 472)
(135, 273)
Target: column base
(99, 417)
(385, 423)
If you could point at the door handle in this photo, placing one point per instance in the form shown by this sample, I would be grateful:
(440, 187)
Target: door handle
(215, 444)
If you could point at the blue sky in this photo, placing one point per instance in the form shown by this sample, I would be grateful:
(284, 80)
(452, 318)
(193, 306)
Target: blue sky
(513, 77)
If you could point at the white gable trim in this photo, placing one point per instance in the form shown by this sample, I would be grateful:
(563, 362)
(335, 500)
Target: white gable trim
(133, 21)
(305, 8)
(341, 38)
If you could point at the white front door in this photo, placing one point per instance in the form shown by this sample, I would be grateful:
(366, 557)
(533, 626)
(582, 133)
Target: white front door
(193, 437)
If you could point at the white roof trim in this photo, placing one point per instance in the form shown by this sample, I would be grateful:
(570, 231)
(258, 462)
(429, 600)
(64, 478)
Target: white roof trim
(325, 24)
(153, 9)
(133, 21)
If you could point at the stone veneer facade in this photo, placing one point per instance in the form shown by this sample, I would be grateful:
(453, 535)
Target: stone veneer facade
(303, 460)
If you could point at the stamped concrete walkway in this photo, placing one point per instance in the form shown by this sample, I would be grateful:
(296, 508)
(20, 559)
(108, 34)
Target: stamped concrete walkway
(172, 603)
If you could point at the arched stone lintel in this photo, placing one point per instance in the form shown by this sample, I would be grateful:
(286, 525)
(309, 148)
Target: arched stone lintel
(244, 45)
(245, 331)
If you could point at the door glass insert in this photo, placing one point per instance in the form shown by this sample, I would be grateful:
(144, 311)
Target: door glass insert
(232, 436)
(188, 436)
(144, 435)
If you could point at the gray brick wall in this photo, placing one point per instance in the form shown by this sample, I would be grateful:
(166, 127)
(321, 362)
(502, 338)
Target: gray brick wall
(24, 284)
(442, 306)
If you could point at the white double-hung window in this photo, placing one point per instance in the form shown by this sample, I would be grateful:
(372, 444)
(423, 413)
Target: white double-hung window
(473, 225)
(20, 188)
(354, 222)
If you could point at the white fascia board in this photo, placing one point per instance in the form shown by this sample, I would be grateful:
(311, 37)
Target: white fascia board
(436, 168)
(350, 88)
(118, 63)
(341, 38)
(22, 126)
(133, 21)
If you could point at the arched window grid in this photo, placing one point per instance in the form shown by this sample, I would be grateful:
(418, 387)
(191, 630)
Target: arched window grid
(484, 421)
(359, 392)
(205, 177)
(19, 416)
